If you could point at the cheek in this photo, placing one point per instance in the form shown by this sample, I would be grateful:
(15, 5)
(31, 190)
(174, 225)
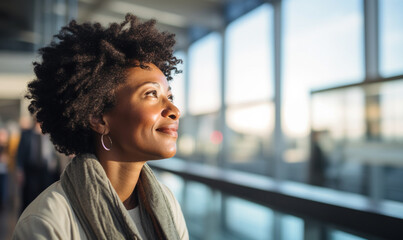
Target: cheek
(141, 124)
(146, 118)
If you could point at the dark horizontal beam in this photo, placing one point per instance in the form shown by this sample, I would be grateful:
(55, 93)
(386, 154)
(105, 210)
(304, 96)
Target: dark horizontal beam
(351, 212)
(363, 83)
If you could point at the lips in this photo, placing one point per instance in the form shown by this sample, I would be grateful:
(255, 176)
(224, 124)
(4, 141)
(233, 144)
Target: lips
(171, 130)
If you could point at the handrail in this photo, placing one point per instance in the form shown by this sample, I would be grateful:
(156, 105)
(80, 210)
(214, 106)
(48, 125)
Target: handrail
(345, 210)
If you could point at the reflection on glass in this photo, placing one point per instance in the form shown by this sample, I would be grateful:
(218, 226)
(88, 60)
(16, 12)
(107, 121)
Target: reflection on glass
(248, 219)
(339, 235)
(292, 228)
(249, 54)
(204, 74)
(200, 209)
(197, 195)
(213, 215)
(250, 137)
(391, 37)
(178, 84)
(356, 131)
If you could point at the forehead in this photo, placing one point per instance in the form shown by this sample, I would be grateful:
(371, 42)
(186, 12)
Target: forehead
(138, 76)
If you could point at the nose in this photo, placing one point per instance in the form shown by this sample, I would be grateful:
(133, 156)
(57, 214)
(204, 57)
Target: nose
(171, 111)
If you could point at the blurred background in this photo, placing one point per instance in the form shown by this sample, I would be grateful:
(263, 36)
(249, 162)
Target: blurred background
(292, 112)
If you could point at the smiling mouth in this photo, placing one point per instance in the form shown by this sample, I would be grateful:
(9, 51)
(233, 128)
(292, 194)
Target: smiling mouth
(169, 131)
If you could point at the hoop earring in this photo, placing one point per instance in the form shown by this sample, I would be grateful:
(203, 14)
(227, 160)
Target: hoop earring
(103, 144)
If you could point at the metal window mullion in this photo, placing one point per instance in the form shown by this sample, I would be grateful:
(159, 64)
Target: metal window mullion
(222, 157)
(371, 39)
(278, 133)
(371, 36)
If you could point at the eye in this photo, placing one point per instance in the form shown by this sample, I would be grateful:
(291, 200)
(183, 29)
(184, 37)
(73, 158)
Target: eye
(171, 98)
(152, 93)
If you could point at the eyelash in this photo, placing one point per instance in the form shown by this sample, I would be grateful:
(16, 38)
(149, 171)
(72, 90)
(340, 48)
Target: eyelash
(154, 94)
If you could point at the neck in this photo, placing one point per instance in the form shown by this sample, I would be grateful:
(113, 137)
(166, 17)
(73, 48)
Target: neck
(123, 176)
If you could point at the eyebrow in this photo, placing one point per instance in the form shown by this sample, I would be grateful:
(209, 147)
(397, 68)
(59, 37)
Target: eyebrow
(155, 84)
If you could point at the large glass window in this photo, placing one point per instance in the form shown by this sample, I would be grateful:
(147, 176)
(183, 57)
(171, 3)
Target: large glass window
(200, 136)
(391, 37)
(204, 74)
(249, 67)
(322, 47)
(357, 139)
(327, 127)
(249, 91)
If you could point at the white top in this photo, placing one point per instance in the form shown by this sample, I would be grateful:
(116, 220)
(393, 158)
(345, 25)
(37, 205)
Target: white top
(135, 215)
(50, 216)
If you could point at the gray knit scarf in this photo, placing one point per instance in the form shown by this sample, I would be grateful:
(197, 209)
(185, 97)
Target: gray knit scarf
(100, 211)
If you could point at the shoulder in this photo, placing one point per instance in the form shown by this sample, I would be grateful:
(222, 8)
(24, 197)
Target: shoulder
(177, 213)
(49, 216)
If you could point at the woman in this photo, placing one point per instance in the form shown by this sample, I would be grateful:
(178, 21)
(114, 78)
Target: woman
(103, 95)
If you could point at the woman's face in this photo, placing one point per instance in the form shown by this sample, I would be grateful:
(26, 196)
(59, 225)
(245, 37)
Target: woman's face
(143, 125)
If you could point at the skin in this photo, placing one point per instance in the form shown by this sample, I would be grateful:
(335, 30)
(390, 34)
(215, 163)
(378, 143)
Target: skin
(142, 126)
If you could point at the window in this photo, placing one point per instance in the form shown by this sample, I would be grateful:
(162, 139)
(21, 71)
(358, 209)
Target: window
(322, 47)
(204, 75)
(249, 57)
(391, 37)
(249, 91)
(199, 139)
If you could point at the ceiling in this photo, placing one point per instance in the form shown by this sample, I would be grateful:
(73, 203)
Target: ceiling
(188, 19)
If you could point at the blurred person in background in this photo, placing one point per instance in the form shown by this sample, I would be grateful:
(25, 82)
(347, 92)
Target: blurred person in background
(4, 161)
(37, 163)
(318, 162)
(14, 140)
(102, 94)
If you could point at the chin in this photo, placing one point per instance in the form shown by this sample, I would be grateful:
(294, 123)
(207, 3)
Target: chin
(169, 151)
(169, 155)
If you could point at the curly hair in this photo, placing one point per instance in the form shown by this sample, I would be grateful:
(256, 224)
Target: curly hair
(81, 69)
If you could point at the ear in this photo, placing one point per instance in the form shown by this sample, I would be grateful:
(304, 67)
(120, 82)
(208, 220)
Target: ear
(98, 124)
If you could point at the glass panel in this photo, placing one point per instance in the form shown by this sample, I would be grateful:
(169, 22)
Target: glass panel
(211, 214)
(178, 84)
(249, 53)
(204, 74)
(391, 37)
(197, 194)
(248, 219)
(339, 235)
(392, 112)
(323, 47)
(357, 139)
(200, 139)
(292, 228)
(200, 208)
(249, 137)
